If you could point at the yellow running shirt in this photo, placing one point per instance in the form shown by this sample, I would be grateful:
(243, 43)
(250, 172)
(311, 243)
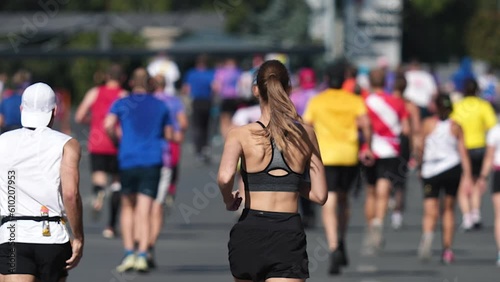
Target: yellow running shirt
(333, 114)
(476, 116)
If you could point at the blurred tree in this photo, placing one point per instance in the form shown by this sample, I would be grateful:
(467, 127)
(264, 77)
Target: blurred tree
(108, 5)
(240, 17)
(278, 21)
(435, 33)
(430, 7)
(483, 33)
(81, 73)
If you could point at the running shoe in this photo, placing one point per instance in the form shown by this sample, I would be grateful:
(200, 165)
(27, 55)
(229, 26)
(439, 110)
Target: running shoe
(477, 225)
(391, 204)
(425, 247)
(151, 259)
(448, 256)
(396, 220)
(334, 268)
(151, 263)
(475, 218)
(97, 204)
(467, 224)
(377, 237)
(498, 259)
(108, 233)
(128, 263)
(368, 247)
(141, 264)
(343, 260)
(169, 204)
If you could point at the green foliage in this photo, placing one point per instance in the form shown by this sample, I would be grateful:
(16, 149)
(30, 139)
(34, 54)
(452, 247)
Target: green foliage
(139, 5)
(430, 7)
(438, 37)
(127, 40)
(81, 73)
(86, 40)
(483, 36)
(279, 21)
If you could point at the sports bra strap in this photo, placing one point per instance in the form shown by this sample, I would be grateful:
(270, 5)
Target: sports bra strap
(261, 124)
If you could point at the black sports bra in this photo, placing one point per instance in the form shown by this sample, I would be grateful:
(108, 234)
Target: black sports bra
(264, 181)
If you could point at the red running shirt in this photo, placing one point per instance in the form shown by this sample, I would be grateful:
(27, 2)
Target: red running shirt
(99, 142)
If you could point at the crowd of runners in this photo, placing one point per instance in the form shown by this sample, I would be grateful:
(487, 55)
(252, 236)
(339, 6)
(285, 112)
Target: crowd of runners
(373, 128)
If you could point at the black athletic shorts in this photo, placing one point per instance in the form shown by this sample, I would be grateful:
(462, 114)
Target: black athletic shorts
(340, 178)
(231, 105)
(424, 112)
(106, 163)
(265, 245)
(390, 168)
(495, 187)
(46, 262)
(449, 181)
(141, 180)
(476, 160)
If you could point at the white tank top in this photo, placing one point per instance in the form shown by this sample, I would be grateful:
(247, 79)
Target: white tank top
(30, 163)
(441, 150)
(493, 140)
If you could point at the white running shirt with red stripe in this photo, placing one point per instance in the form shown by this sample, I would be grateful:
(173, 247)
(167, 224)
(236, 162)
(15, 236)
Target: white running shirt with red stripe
(386, 115)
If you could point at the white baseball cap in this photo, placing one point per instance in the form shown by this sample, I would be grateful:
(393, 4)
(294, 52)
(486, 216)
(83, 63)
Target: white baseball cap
(38, 102)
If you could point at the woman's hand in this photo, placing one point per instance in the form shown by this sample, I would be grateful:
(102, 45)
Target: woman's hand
(466, 184)
(233, 204)
(481, 183)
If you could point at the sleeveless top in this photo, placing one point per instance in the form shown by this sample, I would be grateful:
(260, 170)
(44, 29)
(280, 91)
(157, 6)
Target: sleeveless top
(99, 142)
(29, 180)
(441, 150)
(264, 181)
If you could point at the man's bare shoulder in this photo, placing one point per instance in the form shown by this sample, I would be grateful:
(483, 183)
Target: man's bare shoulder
(73, 145)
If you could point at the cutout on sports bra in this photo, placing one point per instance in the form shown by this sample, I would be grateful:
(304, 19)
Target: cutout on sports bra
(278, 172)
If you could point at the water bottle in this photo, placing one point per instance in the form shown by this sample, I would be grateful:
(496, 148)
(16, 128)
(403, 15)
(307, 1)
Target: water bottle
(44, 211)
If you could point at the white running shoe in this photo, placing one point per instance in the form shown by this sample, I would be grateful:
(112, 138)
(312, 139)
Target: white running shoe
(425, 247)
(128, 263)
(467, 224)
(396, 220)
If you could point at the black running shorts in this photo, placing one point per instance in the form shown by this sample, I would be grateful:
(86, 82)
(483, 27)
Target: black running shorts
(265, 245)
(340, 178)
(46, 262)
(476, 160)
(448, 181)
(106, 163)
(230, 105)
(392, 169)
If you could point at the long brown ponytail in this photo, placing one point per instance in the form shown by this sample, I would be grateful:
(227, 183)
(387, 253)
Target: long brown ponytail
(274, 86)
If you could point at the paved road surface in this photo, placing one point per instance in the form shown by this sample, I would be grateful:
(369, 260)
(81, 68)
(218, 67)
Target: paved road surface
(193, 244)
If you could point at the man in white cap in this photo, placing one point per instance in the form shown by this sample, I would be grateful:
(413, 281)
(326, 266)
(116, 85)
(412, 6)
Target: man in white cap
(39, 194)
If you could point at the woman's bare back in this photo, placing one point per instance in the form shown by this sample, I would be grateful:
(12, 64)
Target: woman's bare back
(256, 156)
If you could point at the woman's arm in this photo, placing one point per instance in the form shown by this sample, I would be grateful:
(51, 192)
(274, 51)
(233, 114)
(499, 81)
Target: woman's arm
(486, 167)
(462, 150)
(227, 169)
(317, 191)
(466, 181)
(415, 125)
(420, 141)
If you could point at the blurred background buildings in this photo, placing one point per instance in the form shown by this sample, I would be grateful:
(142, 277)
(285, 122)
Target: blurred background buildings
(75, 38)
